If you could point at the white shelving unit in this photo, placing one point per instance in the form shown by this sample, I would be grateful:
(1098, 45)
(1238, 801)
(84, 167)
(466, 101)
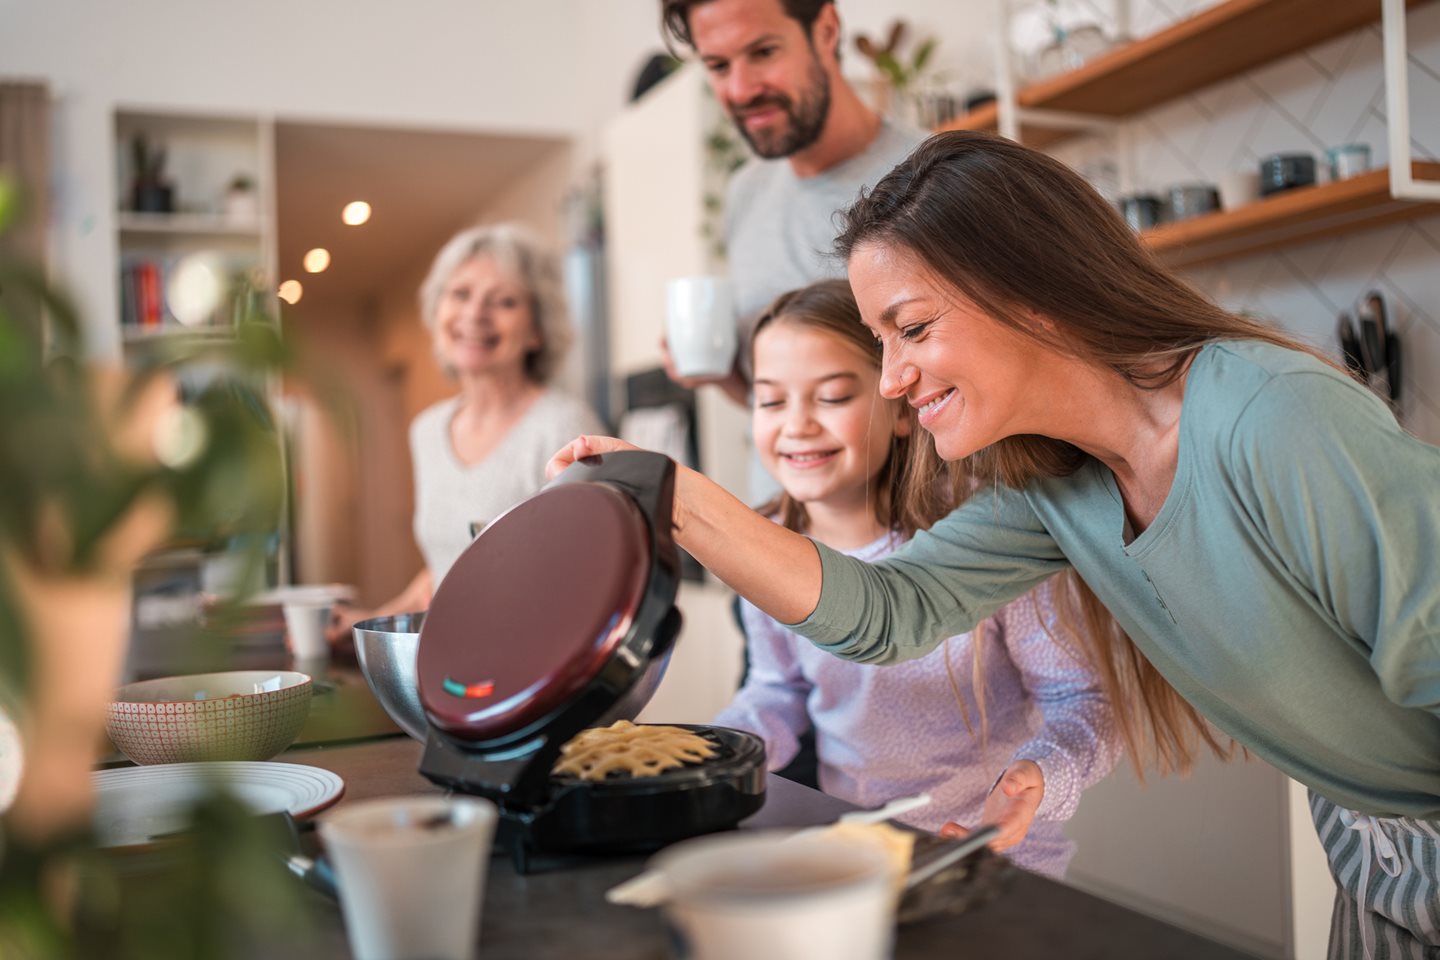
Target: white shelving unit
(204, 154)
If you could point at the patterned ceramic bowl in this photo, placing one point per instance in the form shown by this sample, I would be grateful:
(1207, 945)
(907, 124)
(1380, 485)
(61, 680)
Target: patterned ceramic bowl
(245, 715)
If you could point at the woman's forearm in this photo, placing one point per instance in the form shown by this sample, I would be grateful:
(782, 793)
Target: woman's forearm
(776, 569)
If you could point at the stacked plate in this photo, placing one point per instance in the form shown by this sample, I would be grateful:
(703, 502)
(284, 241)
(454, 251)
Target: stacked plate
(138, 806)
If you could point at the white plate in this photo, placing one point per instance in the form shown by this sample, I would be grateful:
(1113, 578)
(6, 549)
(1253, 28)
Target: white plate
(136, 804)
(303, 593)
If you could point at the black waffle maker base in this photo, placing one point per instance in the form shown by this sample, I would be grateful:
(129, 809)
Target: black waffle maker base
(628, 815)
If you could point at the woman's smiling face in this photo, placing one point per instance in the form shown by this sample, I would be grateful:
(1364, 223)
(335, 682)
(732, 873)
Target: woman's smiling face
(970, 378)
(485, 320)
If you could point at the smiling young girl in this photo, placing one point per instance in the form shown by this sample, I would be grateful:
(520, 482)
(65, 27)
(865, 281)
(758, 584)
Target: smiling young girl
(840, 453)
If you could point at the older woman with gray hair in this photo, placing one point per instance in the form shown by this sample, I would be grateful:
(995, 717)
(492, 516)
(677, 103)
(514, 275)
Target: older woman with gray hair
(494, 304)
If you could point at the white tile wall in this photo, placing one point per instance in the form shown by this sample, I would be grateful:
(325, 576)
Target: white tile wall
(1330, 94)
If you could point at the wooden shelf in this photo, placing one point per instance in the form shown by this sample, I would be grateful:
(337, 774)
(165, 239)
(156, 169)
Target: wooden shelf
(165, 331)
(1222, 41)
(187, 224)
(1285, 219)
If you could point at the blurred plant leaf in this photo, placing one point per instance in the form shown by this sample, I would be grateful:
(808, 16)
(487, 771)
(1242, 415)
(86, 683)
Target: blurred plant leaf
(67, 481)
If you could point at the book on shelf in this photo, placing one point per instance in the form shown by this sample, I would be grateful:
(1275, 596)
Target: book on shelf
(143, 308)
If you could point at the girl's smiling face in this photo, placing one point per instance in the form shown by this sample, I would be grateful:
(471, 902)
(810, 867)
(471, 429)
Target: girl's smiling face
(485, 320)
(970, 379)
(820, 426)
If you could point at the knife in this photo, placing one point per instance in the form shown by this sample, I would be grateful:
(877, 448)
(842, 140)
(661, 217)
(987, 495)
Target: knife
(947, 854)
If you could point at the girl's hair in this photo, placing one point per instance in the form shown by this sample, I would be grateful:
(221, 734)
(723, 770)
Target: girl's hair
(1031, 244)
(829, 307)
(517, 250)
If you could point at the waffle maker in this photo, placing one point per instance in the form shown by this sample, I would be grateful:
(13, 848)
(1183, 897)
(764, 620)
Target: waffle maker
(558, 617)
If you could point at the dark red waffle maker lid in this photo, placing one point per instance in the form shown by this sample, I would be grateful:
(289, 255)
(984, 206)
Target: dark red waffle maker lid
(565, 591)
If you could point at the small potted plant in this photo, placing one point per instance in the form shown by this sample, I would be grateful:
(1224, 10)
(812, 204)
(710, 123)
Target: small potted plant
(900, 77)
(241, 201)
(150, 192)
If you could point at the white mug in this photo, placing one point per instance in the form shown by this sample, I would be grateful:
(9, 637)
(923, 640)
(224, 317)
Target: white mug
(1239, 188)
(700, 326)
(767, 894)
(305, 623)
(411, 874)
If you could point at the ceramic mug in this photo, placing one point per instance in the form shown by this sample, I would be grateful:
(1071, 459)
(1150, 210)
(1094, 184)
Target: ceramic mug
(1239, 188)
(1286, 171)
(1142, 210)
(1193, 199)
(700, 326)
(1348, 160)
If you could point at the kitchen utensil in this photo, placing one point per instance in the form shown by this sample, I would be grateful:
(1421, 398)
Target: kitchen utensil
(1285, 171)
(949, 877)
(1348, 160)
(1141, 210)
(386, 648)
(133, 805)
(939, 858)
(1193, 199)
(558, 617)
(1239, 188)
(1380, 347)
(411, 874)
(239, 715)
(1370, 347)
(649, 888)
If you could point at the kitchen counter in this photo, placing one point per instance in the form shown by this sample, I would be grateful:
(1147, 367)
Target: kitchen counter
(563, 914)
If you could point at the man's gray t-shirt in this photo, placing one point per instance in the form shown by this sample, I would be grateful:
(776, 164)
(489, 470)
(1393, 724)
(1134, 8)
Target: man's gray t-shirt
(779, 228)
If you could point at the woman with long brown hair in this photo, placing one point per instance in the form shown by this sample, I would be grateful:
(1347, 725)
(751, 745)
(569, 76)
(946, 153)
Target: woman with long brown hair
(1255, 534)
(1032, 716)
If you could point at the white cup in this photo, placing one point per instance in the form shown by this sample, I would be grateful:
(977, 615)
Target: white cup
(700, 326)
(1348, 160)
(1238, 188)
(305, 623)
(765, 894)
(411, 873)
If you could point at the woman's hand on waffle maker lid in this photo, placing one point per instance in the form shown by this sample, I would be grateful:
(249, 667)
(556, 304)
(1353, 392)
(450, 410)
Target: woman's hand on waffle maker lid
(581, 447)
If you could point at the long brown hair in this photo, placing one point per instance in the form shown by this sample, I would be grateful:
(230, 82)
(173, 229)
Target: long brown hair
(1022, 237)
(829, 307)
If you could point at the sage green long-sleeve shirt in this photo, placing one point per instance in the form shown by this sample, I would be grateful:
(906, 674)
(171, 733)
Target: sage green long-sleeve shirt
(1289, 587)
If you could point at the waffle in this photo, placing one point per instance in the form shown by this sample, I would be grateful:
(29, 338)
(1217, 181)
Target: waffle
(628, 749)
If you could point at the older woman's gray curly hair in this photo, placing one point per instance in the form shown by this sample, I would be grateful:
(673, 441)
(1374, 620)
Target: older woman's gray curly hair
(515, 249)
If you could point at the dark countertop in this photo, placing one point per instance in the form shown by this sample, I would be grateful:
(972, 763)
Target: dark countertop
(564, 915)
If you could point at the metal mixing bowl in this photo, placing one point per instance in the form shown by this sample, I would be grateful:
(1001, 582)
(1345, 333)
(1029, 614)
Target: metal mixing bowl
(387, 647)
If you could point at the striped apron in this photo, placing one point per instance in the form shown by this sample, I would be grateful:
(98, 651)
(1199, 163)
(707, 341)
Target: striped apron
(1387, 879)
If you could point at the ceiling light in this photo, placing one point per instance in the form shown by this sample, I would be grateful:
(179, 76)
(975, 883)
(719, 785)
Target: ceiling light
(291, 291)
(317, 260)
(355, 213)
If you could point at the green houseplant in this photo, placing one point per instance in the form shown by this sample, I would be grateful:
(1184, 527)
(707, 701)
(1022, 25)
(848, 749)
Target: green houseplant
(100, 467)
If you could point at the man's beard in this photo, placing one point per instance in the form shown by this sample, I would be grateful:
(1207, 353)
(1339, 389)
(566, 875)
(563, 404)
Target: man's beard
(804, 120)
